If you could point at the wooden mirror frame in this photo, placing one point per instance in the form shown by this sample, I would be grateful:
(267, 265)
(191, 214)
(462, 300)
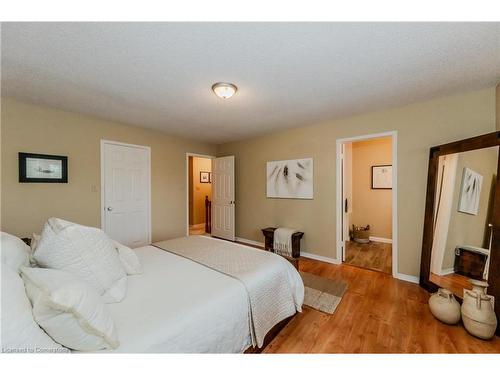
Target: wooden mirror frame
(475, 143)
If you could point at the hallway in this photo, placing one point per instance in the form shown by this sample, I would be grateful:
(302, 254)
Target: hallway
(373, 255)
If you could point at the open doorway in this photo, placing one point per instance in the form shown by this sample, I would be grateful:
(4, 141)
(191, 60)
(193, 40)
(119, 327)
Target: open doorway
(367, 202)
(199, 171)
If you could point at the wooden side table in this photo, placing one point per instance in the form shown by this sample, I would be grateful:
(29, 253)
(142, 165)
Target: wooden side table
(296, 237)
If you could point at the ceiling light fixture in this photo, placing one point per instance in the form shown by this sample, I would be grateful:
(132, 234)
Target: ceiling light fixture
(224, 90)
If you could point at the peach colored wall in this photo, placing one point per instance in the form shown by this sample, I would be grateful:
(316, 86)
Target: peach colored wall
(200, 190)
(371, 206)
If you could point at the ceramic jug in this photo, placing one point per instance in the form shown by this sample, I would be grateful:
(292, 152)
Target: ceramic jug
(478, 313)
(445, 307)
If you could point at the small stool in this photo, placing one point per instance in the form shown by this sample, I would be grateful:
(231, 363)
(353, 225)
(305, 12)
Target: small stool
(296, 237)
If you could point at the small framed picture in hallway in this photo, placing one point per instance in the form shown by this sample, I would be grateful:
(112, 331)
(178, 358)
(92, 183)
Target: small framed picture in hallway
(382, 177)
(205, 177)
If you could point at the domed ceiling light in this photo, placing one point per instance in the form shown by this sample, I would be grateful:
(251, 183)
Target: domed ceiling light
(224, 90)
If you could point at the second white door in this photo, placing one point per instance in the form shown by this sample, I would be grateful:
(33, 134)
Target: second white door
(223, 201)
(126, 193)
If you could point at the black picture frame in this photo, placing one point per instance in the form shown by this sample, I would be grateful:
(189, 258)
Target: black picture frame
(205, 177)
(380, 188)
(22, 168)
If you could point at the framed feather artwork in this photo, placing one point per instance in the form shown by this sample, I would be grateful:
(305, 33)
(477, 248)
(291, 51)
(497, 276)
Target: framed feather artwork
(470, 192)
(290, 179)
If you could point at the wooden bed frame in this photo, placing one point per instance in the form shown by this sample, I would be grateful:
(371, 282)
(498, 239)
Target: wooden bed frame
(270, 336)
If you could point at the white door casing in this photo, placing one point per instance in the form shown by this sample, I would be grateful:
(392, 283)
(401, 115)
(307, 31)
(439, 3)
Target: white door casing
(223, 201)
(447, 171)
(346, 193)
(126, 193)
(339, 206)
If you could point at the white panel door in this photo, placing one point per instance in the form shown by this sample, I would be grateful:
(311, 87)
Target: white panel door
(126, 193)
(223, 198)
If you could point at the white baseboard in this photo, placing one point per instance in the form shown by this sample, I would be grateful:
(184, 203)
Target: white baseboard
(319, 257)
(400, 276)
(250, 242)
(446, 271)
(409, 278)
(302, 253)
(381, 239)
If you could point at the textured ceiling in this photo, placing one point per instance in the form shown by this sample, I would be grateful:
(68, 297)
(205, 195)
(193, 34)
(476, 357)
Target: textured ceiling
(159, 75)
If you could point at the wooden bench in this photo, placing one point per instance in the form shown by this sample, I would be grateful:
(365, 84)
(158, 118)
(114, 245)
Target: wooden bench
(296, 237)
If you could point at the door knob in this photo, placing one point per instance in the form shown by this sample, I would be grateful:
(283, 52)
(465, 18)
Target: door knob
(110, 208)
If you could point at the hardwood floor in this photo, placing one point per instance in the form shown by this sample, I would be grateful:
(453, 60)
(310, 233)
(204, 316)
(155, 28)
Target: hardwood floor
(378, 314)
(374, 255)
(453, 282)
(196, 229)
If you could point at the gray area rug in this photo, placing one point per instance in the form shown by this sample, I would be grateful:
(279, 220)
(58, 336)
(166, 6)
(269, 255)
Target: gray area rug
(321, 293)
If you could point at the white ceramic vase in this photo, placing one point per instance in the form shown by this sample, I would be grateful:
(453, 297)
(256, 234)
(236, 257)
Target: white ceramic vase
(478, 313)
(445, 307)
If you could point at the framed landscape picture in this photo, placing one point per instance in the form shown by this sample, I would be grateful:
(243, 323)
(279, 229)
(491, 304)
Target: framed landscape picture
(43, 168)
(382, 177)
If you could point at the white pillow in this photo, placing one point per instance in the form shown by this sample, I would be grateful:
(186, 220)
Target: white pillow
(69, 310)
(20, 333)
(84, 252)
(35, 239)
(14, 251)
(128, 258)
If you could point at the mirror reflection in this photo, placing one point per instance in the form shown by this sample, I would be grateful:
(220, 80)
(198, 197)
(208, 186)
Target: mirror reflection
(462, 216)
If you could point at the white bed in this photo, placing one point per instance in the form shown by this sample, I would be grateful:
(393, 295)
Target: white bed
(178, 305)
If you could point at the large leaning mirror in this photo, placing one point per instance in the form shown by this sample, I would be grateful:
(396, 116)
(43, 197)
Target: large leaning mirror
(463, 211)
(462, 219)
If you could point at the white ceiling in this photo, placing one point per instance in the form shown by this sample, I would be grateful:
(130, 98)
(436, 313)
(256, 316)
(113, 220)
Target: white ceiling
(159, 75)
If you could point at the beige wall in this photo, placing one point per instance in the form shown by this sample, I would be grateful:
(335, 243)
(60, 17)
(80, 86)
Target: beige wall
(29, 128)
(200, 190)
(466, 229)
(419, 127)
(498, 106)
(371, 206)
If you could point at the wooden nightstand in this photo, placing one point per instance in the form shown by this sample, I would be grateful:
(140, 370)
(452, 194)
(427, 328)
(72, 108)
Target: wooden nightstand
(296, 237)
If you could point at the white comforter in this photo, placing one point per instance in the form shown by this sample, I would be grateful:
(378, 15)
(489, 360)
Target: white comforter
(273, 286)
(180, 306)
